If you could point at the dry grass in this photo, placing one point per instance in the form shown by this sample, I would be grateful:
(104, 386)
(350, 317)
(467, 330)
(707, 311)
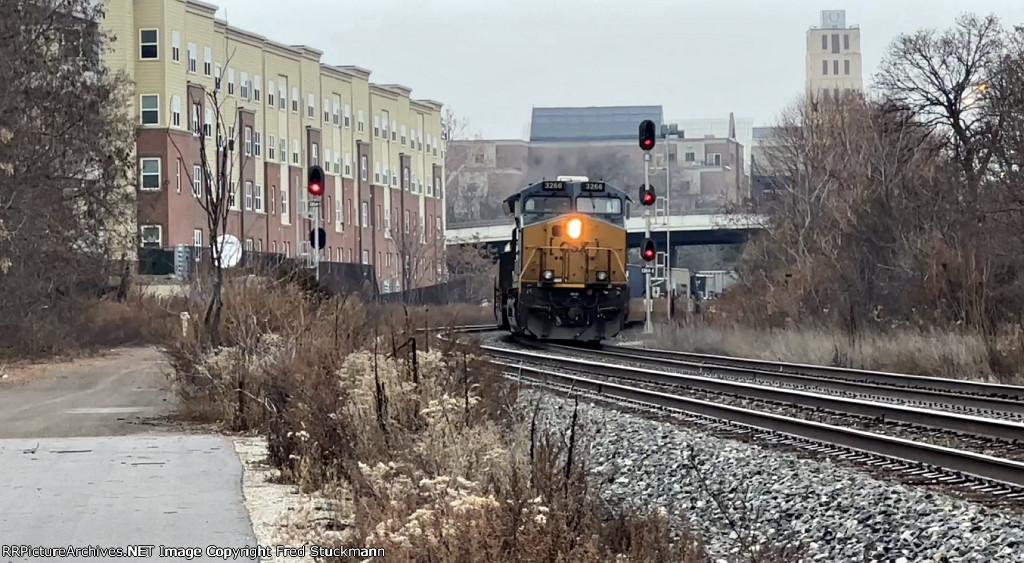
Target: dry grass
(420, 447)
(98, 324)
(961, 355)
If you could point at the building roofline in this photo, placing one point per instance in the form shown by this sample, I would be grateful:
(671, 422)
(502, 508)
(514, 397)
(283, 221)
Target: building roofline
(384, 91)
(241, 34)
(432, 104)
(359, 71)
(403, 90)
(204, 8)
(308, 52)
(335, 72)
(597, 107)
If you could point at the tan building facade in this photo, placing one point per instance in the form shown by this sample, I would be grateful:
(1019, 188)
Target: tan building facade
(834, 65)
(285, 110)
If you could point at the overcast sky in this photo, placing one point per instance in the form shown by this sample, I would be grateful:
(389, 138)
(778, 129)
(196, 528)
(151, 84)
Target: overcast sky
(492, 61)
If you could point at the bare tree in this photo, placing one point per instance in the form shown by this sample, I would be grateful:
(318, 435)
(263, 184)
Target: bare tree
(217, 172)
(940, 77)
(66, 169)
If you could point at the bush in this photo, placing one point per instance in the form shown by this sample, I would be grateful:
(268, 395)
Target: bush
(429, 439)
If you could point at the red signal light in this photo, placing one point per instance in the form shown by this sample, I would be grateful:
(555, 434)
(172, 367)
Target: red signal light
(648, 251)
(647, 195)
(647, 133)
(316, 181)
(648, 198)
(648, 144)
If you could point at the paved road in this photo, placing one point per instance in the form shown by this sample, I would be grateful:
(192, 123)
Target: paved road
(85, 461)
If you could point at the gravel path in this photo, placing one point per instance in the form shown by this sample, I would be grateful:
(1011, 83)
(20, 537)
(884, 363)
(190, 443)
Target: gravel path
(838, 514)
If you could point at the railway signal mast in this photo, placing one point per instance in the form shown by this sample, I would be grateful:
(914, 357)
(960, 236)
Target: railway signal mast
(647, 198)
(315, 186)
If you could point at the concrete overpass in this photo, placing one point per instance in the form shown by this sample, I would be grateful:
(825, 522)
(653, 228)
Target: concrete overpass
(687, 230)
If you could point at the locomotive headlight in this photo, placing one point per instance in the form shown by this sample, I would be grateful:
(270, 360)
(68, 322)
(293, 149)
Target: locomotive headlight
(548, 275)
(602, 276)
(574, 228)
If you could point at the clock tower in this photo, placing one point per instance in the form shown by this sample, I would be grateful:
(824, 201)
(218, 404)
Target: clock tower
(833, 63)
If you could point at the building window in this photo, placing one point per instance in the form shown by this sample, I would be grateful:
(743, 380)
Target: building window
(824, 68)
(327, 160)
(177, 178)
(405, 178)
(248, 195)
(256, 146)
(272, 199)
(149, 46)
(327, 111)
(337, 163)
(256, 84)
(218, 71)
(280, 96)
(347, 118)
(245, 86)
(248, 141)
(824, 42)
(271, 147)
(339, 208)
(835, 42)
(713, 159)
(846, 66)
(376, 172)
(412, 138)
(406, 221)
(328, 206)
(348, 164)
(365, 213)
(315, 154)
(361, 123)
(258, 197)
(197, 181)
(197, 119)
(270, 93)
(285, 216)
(233, 195)
(376, 126)
(295, 100)
(835, 67)
(208, 124)
(197, 242)
(363, 167)
(207, 61)
(846, 41)
(386, 221)
(310, 105)
(295, 151)
(176, 46)
(394, 130)
(152, 236)
(283, 145)
(403, 135)
(231, 81)
(150, 168)
(192, 58)
(366, 256)
(150, 109)
(176, 111)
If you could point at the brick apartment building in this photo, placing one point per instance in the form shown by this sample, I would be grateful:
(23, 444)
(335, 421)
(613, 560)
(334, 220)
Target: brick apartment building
(382, 151)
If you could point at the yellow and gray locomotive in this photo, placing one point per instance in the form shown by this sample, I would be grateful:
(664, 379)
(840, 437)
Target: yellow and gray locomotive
(563, 276)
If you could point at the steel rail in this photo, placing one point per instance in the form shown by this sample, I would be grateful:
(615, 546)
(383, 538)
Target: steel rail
(1003, 471)
(947, 420)
(879, 377)
(669, 359)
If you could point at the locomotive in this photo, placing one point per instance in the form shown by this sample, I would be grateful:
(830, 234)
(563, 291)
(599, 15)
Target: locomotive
(563, 276)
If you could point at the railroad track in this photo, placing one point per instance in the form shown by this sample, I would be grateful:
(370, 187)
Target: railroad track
(967, 397)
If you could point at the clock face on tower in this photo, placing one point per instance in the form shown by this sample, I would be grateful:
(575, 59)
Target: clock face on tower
(833, 19)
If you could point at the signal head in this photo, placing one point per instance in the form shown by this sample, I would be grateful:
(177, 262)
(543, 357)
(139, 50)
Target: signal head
(316, 181)
(647, 134)
(648, 250)
(647, 195)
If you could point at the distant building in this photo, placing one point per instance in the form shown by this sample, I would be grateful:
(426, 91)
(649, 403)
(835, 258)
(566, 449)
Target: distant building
(833, 57)
(708, 171)
(615, 123)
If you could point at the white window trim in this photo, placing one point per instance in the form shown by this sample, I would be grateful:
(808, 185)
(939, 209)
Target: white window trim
(159, 234)
(193, 55)
(285, 207)
(258, 199)
(176, 46)
(142, 174)
(197, 181)
(207, 61)
(141, 45)
(142, 110)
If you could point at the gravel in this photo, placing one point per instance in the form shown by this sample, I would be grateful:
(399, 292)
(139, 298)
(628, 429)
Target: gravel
(776, 498)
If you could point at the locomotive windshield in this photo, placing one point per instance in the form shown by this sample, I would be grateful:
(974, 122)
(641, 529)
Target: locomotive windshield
(599, 205)
(539, 208)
